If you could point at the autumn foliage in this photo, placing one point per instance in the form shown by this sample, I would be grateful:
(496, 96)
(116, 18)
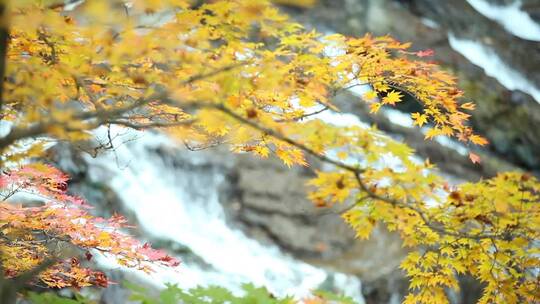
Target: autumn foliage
(241, 73)
(32, 234)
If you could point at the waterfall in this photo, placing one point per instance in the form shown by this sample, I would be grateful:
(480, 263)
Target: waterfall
(181, 204)
(511, 17)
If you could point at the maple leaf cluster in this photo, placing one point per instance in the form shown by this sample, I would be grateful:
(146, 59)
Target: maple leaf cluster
(31, 235)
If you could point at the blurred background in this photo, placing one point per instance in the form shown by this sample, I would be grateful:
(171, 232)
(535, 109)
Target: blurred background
(234, 219)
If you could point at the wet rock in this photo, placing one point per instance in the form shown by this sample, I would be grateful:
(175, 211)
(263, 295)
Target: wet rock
(269, 201)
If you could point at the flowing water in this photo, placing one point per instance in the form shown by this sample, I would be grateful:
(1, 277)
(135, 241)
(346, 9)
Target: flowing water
(180, 203)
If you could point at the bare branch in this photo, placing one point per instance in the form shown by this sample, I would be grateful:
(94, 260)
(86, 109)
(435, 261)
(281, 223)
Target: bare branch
(298, 118)
(141, 126)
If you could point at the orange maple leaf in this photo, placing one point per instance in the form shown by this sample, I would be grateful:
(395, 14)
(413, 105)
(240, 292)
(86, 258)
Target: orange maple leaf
(474, 158)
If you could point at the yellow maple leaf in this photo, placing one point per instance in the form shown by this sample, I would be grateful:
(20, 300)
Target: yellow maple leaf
(419, 119)
(374, 107)
(213, 122)
(478, 140)
(392, 98)
(262, 151)
(432, 133)
(370, 95)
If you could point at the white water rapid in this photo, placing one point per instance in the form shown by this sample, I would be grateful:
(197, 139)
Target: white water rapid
(182, 205)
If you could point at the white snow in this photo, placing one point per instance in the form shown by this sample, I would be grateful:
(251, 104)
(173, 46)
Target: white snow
(511, 17)
(493, 65)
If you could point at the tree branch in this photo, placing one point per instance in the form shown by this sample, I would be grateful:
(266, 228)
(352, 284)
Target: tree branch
(142, 126)
(357, 172)
(282, 137)
(104, 116)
